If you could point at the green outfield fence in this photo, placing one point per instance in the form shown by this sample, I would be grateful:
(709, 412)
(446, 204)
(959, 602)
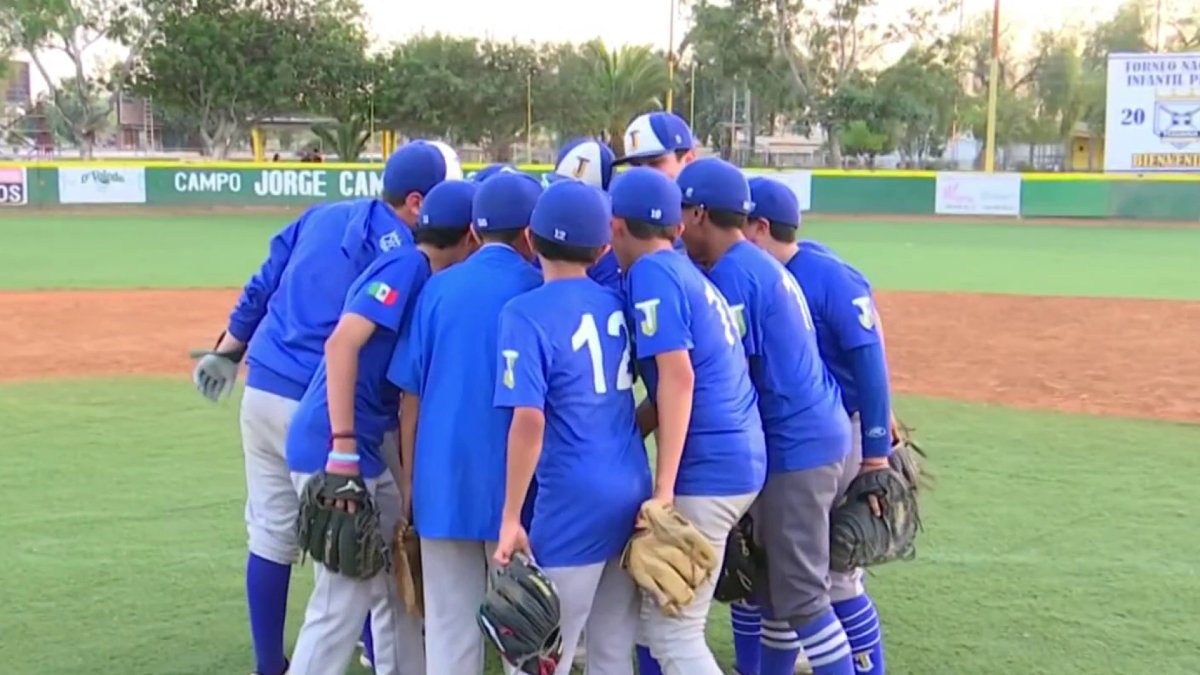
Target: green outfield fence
(167, 184)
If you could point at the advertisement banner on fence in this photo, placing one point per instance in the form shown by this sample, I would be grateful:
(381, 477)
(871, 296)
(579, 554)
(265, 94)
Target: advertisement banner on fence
(13, 189)
(102, 185)
(799, 181)
(978, 194)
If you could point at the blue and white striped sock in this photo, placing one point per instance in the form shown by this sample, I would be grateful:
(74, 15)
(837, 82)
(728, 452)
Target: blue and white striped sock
(826, 646)
(861, 623)
(746, 620)
(780, 647)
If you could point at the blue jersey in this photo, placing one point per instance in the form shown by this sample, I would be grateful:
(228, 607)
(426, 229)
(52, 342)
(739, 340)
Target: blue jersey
(672, 306)
(847, 324)
(448, 358)
(606, 271)
(289, 307)
(385, 294)
(564, 349)
(798, 399)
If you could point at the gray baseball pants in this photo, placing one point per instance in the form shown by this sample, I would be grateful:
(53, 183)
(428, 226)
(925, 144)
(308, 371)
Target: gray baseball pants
(678, 642)
(333, 620)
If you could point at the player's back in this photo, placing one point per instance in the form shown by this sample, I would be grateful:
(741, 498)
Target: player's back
(449, 359)
(333, 244)
(843, 312)
(593, 467)
(375, 399)
(724, 453)
(799, 400)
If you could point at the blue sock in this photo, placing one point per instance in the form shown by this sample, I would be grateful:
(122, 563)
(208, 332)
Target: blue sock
(266, 596)
(746, 619)
(780, 647)
(861, 623)
(368, 641)
(825, 644)
(646, 663)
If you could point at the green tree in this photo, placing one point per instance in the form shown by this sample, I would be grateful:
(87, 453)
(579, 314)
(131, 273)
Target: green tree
(628, 81)
(567, 100)
(1128, 30)
(918, 95)
(425, 83)
(342, 87)
(75, 29)
(495, 113)
(860, 140)
(233, 63)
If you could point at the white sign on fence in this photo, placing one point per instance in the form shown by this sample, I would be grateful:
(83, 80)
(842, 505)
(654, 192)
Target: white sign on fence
(799, 181)
(1152, 117)
(978, 194)
(14, 191)
(102, 185)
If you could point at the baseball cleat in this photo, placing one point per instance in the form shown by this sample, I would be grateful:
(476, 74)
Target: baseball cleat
(362, 657)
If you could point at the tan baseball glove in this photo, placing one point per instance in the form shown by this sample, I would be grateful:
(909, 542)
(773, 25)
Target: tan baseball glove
(406, 565)
(668, 557)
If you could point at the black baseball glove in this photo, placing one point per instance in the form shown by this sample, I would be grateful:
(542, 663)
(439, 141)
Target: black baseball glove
(338, 526)
(744, 566)
(521, 616)
(860, 538)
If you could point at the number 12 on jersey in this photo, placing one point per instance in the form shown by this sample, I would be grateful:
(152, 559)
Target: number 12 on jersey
(588, 335)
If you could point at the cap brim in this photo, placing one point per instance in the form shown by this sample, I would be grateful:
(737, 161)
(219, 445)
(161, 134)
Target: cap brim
(633, 158)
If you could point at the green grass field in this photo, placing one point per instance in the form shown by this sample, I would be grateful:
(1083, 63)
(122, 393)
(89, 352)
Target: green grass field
(1054, 543)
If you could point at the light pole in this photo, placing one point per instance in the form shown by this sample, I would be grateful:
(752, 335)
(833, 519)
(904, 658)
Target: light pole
(989, 157)
(671, 60)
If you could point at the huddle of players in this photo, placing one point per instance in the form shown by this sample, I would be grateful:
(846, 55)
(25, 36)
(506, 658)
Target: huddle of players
(746, 415)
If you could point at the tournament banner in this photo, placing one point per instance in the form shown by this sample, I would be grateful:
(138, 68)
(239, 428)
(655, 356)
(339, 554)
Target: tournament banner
(1152, 114)
(263, 186)
(977, 194)
(14, 190)
(103, 185)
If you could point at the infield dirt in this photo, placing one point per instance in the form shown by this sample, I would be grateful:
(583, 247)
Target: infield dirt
(1132, 358)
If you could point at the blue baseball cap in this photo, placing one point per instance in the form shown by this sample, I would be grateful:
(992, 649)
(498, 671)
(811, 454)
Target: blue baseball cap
(774, 201)
(505, 201)
(491, 170)
(418, 166)
(713, 183)
(648, 195)
(654, 135)
(575, 213)
(448, 205)
(586, 159)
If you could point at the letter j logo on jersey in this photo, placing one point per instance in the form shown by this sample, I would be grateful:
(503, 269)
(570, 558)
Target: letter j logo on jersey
(510, 360)
(863, 663)
(649, 310)
(383, 293)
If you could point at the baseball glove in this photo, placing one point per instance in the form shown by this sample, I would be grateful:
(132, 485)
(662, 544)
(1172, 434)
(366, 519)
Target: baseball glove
(744, 565)
(908, 458)
(859, 538)
(521, 616)
(406, 566)
(345, 543)
(668, 557)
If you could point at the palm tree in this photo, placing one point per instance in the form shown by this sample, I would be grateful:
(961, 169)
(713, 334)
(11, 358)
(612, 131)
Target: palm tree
(630, 80)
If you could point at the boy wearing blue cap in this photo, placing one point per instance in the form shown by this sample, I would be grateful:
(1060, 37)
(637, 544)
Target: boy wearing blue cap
(701, 405)
(807, 431)
(289, 307)
(345, 426)
(452, 437)
(565, 372)
(851, 345)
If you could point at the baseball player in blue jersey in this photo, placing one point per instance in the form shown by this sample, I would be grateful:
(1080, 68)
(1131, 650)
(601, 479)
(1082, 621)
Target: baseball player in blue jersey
(565, 371)
(711, 456)
(851, 345)
(807, 431)
(453, 438)
(285, 313)
(590, 161)
(345, 425)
